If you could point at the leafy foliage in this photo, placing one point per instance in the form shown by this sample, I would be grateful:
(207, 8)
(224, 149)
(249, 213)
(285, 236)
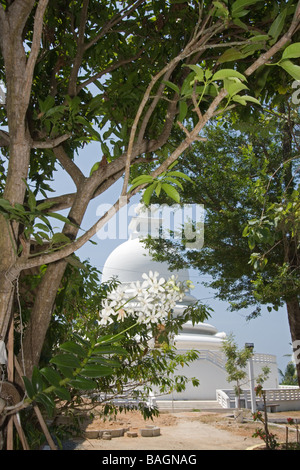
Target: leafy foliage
(77, 366)
(289, 376)
(249, 189)
(236, 363)
(107, 363)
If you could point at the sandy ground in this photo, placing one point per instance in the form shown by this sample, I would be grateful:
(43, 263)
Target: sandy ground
(182, 431)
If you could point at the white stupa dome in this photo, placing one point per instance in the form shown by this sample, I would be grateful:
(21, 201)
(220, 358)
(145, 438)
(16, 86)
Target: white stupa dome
(131, 259)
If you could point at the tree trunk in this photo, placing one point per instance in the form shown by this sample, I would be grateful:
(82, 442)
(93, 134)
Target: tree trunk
(40, 316)
(293, 310)
(43, 306)
(19, 157)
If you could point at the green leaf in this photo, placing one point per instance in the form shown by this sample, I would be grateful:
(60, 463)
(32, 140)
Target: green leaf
(37, 380)
(74, 261)
(60, 238)
(291, 68)
(94, 167)
(51, 375)
(55, 110)
(243, 99)
(5, 204)
(47, 402)
(140, 180)
(28, 387)
(227, 73)
(240, 24)
(198, 71)
(95, 371)
(104, 362)
(83, 384)
(60, 217)
(179, 174)
(62, 393)
(230, 55)
(42, 227)
(73, 348)
(171, 192)
(84, 342)
(118, 350)
(66, 360)
(148, 193)
(222, 10)
(241, 4)
(260, 37)
(107, 339)
(292, 51)
(172, 85)
(183, 109)
(45, 205)
(67, 372)
(172, 165)
(47, 104)
(158, 189)
(173, 180)
(277, 25)
(31, 200)
(234, 87)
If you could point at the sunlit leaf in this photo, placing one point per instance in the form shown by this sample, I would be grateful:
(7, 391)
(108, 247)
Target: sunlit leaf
(171, 192)
(227, 73)
(291, 68)
(292, 51)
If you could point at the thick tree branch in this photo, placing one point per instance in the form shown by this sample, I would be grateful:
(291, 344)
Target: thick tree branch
(35, 48)
(3, 20)
(66, 201)
(18, 14)
(68, 164)
(80, 50)
(51, 143)
(4, 138)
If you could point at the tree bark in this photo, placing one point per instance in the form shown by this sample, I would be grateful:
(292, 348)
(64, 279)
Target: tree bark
(40, 317)
(37, 327)
(293, 310)
(19, 156)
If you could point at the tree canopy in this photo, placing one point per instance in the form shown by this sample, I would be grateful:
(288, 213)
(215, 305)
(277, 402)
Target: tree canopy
(141, 79)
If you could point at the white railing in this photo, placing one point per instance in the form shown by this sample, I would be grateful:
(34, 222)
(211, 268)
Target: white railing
(283, 394)
(227, 397)
(215, 357)
(218, 358)
(223, 399)
(258, 357)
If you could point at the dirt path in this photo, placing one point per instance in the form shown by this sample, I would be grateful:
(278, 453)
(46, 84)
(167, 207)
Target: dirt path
(178, 431)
